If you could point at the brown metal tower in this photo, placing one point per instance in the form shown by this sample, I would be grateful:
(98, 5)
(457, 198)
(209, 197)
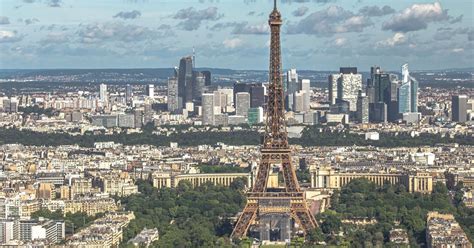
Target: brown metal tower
(290, 201)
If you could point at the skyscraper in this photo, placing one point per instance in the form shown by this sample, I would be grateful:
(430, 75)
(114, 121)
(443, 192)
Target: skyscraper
(103, 92)
(305, 86)
(345, 86)
(199, 81)
(242, 103)
(292, 86)
(257, 96)
(173, 103)
(255, 116)
(240, 87)
(362, 108)
(332, 88)
(378, 112)
(207, 78)
(459, 108)
(405, 74)
(299, 101)
(382, 87)
(414, 95)
(128, 93)
(185, 81)
(150, 90)
(382, 94)
(404, 91)
(208, 109)
(404, 100)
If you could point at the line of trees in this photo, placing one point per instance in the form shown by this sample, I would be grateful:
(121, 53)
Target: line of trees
(311, 137)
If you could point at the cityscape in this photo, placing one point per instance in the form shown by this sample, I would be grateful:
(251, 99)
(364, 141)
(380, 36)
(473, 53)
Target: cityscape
(193, 154)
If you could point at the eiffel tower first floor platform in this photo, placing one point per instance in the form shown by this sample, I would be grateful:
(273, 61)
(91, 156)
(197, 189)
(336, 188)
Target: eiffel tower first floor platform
(274, 216)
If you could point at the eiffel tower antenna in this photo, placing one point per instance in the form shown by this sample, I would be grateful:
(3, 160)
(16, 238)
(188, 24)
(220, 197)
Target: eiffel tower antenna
(264, 206)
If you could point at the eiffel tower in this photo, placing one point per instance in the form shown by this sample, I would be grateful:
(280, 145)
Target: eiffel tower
(270, 207)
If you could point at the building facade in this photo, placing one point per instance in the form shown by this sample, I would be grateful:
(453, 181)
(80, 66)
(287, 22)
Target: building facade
(328, 178)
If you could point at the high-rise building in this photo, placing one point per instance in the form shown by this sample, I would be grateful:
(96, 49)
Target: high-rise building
(103, 92)
(382, 85)
(256, 92)
(362, 108)
(255, 116)
(257, 96)
(378, 112)
(348, 70)
(227, 98)
(404, 91)
(414, 95)
(299, 101)
(173, 103)
(150, 90)
(305, 86)
(240, 87)
(208, 109)
(185, 81)
(207, 78)
(371, 89)
(405, 74)
(128, 93)
(219, 102)
(291, 87)
(242, 104)
(459, 108)
(404, 97)
(345, 86)
(382, 88)
(199, 83)
(332, 87)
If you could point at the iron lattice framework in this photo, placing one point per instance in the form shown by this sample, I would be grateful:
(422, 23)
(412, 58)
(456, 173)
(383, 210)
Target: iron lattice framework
(275, 150)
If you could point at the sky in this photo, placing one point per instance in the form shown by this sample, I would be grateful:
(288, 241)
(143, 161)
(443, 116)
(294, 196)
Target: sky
(234, 34)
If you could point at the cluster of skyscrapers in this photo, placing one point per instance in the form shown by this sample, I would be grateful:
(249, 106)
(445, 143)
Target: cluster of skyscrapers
(190, 92)
(385, 98)
(185, 87)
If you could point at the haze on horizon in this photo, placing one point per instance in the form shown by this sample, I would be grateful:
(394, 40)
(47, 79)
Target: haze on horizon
(316, 35)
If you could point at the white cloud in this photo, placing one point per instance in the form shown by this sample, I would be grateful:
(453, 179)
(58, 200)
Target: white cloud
(397, 39)
(416, 17)
(340, 42)
(9, 36)
(232, 43)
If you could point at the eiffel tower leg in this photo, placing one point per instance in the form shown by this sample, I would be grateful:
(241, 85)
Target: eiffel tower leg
(289, 175)
(262, 174)
(303, 216)
(245, 219)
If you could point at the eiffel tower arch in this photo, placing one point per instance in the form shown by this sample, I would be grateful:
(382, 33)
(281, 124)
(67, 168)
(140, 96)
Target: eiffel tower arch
(271, 211)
